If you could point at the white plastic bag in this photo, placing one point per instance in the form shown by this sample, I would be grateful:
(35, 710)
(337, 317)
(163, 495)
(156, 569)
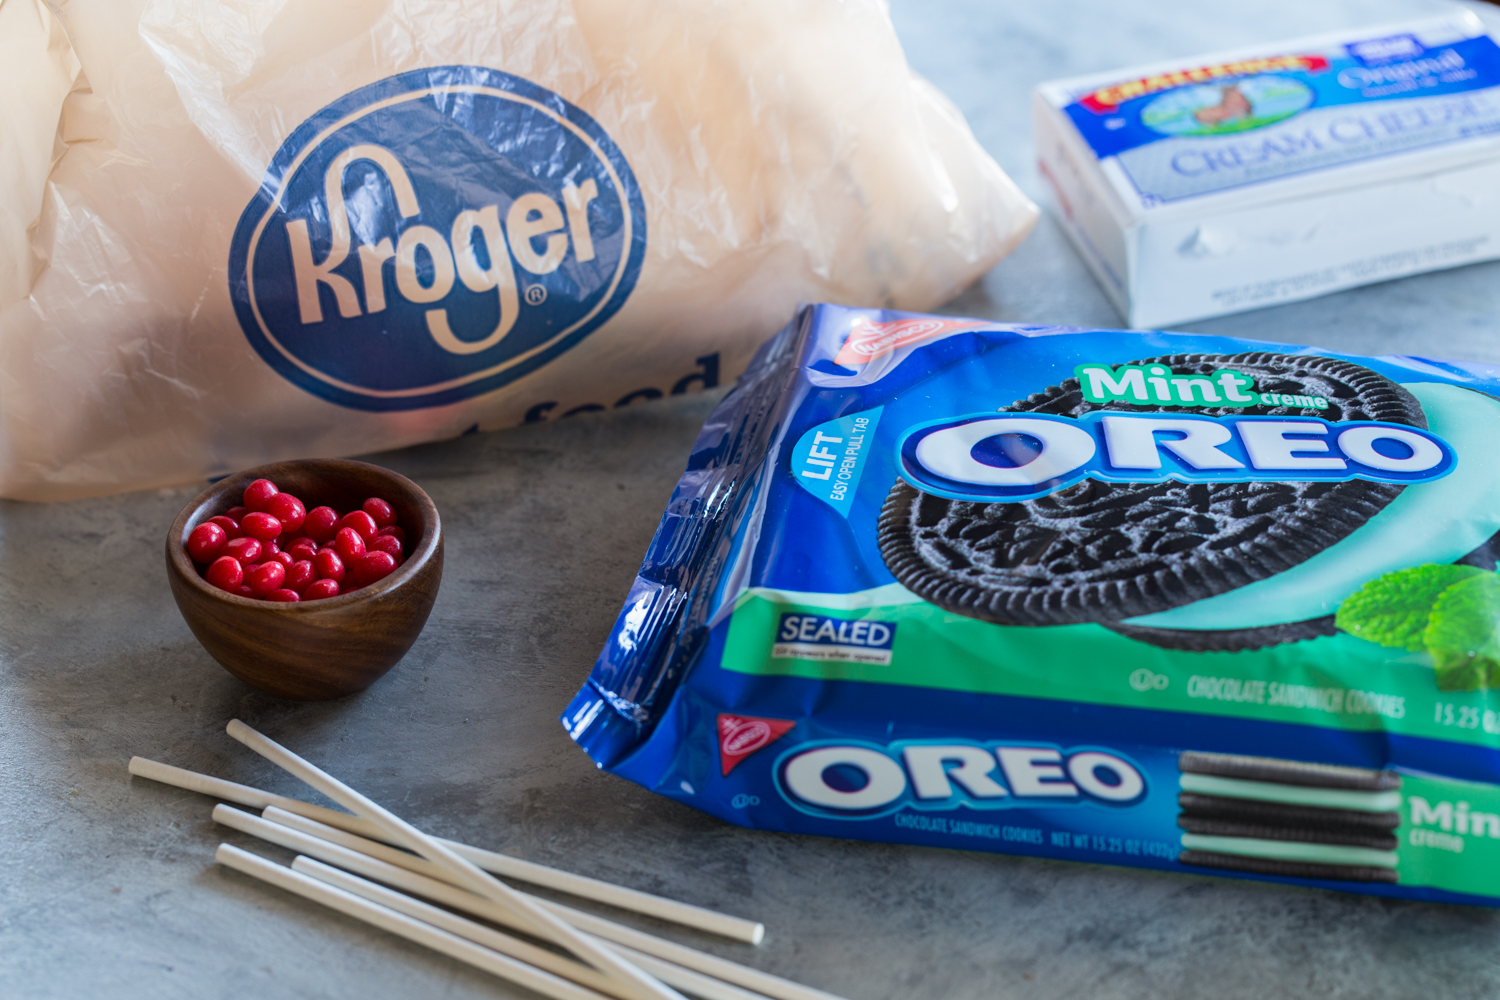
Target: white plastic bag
(248, 230)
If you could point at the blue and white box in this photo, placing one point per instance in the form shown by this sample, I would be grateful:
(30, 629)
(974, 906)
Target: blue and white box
(1241, 179)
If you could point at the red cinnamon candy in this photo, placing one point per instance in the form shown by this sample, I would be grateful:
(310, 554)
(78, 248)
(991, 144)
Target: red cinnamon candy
(272, 547)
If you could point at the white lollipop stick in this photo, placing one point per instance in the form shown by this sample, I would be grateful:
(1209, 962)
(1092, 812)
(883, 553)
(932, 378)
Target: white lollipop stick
(696, 917)
(673, 975)
(245, 795)
(364, 845)
(485, 937)
(413, 879)
(538, 920)
(404, 926)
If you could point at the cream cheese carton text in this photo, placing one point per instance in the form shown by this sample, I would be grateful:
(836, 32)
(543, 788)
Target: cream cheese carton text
(1237, 179)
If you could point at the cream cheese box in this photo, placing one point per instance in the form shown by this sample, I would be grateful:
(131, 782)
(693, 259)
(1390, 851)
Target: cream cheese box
(1241, 179)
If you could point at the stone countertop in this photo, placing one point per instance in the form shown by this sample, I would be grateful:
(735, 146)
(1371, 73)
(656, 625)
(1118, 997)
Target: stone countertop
(107, 883)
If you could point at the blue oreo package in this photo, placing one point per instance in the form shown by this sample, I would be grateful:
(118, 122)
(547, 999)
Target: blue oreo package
(1166, 600)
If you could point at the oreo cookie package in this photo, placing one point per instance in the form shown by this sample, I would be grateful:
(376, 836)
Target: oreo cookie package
(1158, 599)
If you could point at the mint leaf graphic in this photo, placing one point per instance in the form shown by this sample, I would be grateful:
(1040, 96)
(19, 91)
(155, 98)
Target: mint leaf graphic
(1463, 634)
(1393, 609)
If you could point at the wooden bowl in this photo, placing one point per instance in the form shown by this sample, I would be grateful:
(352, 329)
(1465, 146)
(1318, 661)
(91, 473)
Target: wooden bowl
(314, 650)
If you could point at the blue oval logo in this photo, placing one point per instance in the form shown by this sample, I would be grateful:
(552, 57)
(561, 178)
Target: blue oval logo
(433, 237)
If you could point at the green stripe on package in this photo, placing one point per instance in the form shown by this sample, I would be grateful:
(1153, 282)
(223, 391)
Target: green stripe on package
(1165, 600)
(1450, 835)
(1335, 681)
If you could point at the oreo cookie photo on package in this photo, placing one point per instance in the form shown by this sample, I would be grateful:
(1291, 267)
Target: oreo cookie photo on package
(1166, 600)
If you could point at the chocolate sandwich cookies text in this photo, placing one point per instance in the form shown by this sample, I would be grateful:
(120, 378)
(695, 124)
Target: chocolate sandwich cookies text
(1158, 599)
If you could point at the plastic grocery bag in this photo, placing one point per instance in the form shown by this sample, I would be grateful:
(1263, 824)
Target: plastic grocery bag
(235, 232)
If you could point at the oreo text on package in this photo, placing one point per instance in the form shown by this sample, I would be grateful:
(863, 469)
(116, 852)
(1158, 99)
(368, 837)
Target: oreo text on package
(1252, 632)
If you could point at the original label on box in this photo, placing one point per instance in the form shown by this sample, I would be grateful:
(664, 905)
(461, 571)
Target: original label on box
(1210, 128)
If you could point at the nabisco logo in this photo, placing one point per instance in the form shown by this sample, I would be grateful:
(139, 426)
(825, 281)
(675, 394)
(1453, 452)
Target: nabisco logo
(869, 340)
(741, 735)
(435, 236)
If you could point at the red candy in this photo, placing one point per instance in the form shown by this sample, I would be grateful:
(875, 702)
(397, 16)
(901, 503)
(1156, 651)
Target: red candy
(288, 510)
(265, 577)
(320, 589)
(225, 573)
(259, 493)
(230, 525)
(322, 524)
(206, 542)
(258, 524)
(361, 522)
(245, 549)
(372, 566)
(387, 544)
(329, 565)
(303, 548)
(349, 544)
(273, 548)
(299, 574)
(383, 513)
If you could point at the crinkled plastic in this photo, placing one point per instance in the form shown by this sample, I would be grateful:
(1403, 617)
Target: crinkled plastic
(238, 232)
(1257, 631)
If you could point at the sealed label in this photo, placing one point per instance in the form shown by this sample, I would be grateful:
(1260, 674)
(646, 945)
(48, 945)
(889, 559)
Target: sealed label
(815, 637)
(1158, 599)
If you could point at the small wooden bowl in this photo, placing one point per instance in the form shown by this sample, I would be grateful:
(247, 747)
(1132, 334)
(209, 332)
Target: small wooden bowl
(314, 650)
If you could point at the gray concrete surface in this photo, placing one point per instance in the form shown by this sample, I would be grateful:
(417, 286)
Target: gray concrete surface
(107, 885)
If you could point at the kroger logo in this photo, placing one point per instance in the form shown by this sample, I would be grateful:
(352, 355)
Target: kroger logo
(863, 780)
(988, 457)
(434, 236)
